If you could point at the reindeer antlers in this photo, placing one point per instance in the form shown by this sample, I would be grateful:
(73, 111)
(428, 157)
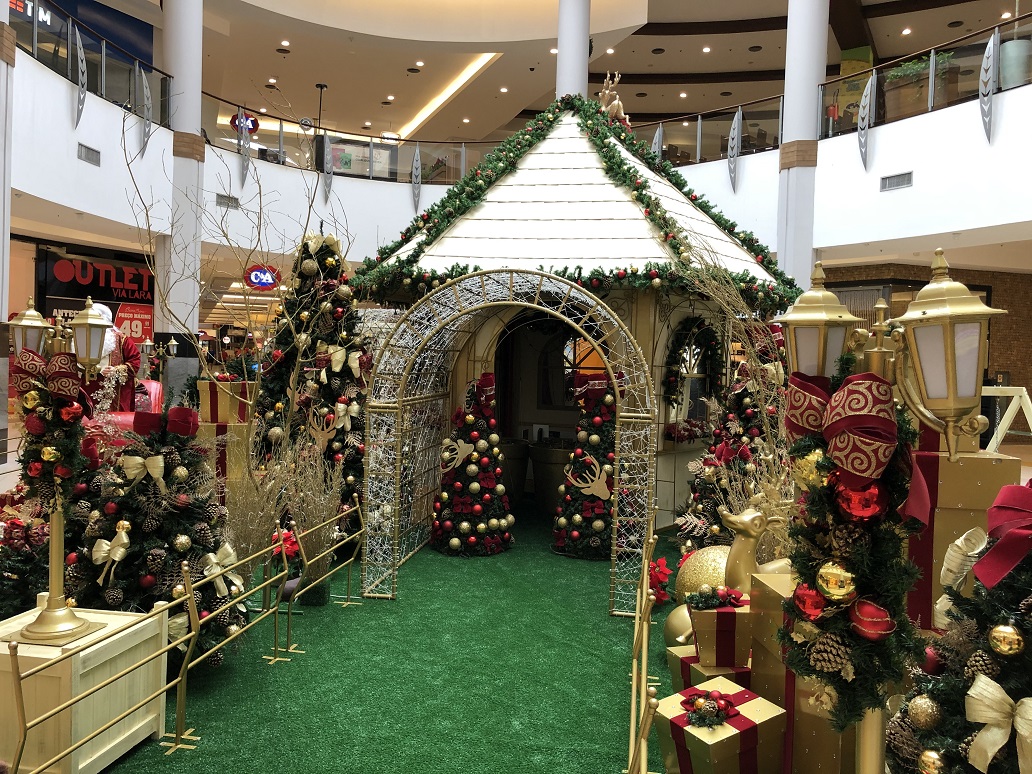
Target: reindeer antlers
(593, 482)
(322, 429)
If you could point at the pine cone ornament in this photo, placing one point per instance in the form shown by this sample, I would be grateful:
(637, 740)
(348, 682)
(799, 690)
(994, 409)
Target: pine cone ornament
(225, 618)
(829, 653)
(114, 596)
(155, 560)
(172, 457)
(981, 663)
(94, 529)
(198, 599)
(97, 484)
(82, 509)
(45, 491)
(480, 425)
(76, 577)
(202, 534)
(961, 635)
(964, 748)
(211, 511)
(151, 522)
(216, 658)
(901, 739)
(845, 538)
(1025, 608)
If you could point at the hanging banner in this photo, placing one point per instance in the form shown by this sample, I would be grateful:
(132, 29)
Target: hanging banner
(417, 178)
(128, 288)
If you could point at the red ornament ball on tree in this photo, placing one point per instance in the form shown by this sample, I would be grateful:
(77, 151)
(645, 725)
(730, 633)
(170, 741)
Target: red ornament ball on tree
(361, 448)
(338, 457)
(809, 602)
(147, 581)
(447, 525)
(487, 497)
(485, 461)
(478, 509)
(71, 413)
(80, 489)
(932, 664)
(754, 432)
(492, 423)
(714, 695)
(458, 486)
(34, 424)
(596, 421)
(578, 452)
(474, 436)
(870, 620)
(183, 500)
(653, 274)
(110, 508)
(204, 614)
(71, 559)
(472, 540)
(575, 535)
(861, 505)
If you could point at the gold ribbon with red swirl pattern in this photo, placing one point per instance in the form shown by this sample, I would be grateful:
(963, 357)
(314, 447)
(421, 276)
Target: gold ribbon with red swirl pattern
(858, 422)
(60, 375)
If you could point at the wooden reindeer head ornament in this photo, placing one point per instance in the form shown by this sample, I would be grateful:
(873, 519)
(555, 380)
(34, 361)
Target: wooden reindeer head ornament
(592, 482)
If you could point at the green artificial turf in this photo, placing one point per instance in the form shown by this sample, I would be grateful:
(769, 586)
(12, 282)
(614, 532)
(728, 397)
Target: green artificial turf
(499, 664)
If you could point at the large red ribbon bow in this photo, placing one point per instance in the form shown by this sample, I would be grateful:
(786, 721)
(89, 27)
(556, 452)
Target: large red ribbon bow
(1010, 520)
(183, 421)
(858, 422)
(60, 375)
(693, 693)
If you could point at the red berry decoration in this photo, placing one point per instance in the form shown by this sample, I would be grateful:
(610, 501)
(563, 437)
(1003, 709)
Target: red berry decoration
(870, 620)
(492, 423)
(458, 486)
(361, 448)
(809, 602)
(575, 535)
(342, 400)
(71, 559)
(472, 540)
(147, 581)
(498, 471)
(110, 508)
(486, 497)
(611, 456)
(749, 413)
(506, 537)
(771, 411)
(338, 457)
(861, 505)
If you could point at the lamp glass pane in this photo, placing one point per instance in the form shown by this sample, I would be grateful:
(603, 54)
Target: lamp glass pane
(836, 341)
(34, 339)
(97, 336)
(967, 337)
(931, 353)
(807, 343)
(82, 341)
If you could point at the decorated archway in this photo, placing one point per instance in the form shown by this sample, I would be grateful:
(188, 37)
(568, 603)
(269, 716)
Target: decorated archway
(409, 401)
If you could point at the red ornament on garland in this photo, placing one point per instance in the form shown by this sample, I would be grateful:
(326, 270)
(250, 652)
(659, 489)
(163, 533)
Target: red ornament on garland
(492, 423)
(578, 452)
(478, 509)
(338, 457)
(870, 620)
(932, 665)
(809, 602)
(204, 614)
(472, 540)
(458, 486)
(147, 581)
(71, 559)
(596, 421)
(474, 436)
(110, 508)
(485, 461)
(447, 526)
(71, 413)
(575, 535)
(861, 505)
(34, 424)
(80, 489)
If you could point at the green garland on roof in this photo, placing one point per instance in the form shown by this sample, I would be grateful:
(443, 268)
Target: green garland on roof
(380, 278)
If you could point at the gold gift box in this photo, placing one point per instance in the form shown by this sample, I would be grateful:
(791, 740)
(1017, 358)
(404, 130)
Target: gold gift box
(769, 591)
(686, 671)
(231, 449)
(225, 402)
(720, 748)
(723, 635)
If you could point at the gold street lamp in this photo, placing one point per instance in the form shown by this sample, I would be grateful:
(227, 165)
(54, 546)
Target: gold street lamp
(90, 329)
(945, 335)
(819, 329)
(30, 330)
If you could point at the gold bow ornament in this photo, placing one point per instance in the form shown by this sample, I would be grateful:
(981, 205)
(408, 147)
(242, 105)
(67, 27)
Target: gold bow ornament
(136, 468)
(178, 626)
(988, 703)
(214, 564)
(338, 357)
(960, 558)
(110, 553)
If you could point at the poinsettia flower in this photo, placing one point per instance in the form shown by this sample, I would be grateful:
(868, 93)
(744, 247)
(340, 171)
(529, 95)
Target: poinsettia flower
(290, 545)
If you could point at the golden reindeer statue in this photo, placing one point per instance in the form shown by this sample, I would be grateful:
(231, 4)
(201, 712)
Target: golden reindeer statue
(749, 526)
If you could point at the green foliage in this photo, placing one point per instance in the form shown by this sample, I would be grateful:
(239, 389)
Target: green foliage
(919, 66)
(698, 332)
(385, 276)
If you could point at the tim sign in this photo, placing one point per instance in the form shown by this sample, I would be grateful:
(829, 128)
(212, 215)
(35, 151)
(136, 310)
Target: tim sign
(262, 278)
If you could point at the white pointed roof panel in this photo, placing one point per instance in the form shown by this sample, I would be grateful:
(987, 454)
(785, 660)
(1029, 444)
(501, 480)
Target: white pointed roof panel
(558, 209)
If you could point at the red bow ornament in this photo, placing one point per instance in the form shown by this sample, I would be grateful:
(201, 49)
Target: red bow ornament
(858, 422)
(1010, 520)
(60, 374)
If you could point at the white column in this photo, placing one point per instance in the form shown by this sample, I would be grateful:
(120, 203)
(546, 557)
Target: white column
(178, 255)
(8, 46)
(571, 66)
(806, 60)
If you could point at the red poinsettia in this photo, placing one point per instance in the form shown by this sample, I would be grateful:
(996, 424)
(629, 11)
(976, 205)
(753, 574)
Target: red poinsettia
(659, 574)
(290, 544)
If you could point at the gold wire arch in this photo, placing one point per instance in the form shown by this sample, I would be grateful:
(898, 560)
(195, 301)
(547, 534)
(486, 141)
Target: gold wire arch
(407, 412)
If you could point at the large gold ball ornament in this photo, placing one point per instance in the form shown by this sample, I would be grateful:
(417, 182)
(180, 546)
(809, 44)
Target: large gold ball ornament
(275, 434)
(582, 436)
(472, 470)
(180, 473)
(1006, 639)
(836, 582)
(598, 525)
(454, 544)
(232, 629)
(474, 486)
(510, 519)
(179, 590)
(465, 528)
(608, 400)
(930, 762)
(482, 445)
(562, 523)
(594, 440)
(481, 528)
(704, 566)
(500, 490)
(124, 526)
(309, 267)
(705, 589)
(577, 519)
(182, 543)
(924, 712)
(677, 630)
(492, 524)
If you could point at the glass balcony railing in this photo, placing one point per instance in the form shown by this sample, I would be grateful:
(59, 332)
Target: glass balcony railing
(48, 35)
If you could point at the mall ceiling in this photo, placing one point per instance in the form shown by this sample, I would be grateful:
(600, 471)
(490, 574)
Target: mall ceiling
(376, 83)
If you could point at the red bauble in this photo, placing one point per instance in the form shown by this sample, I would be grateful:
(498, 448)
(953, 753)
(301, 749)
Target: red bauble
(870, 620)
(338, 457)
(715, 694)
(575, 535)
(578, 452)
(34, 424)
(596, 421)
(183, 500)
(861, 505)
(486, 497)
(506, 537)
(653, 274)
(472, 540)
(361, 448)
(147, 581)
(447, 525)
(569, 498)
(458, 486)
(722, 705)
(809, 602)
(63, 471)
(110, 508)
(771, 410)
(754, 432)
(342, 400)
(437, 506)
(492, 423)
(80, 489)
(478, 509)
(932, 665)
(71, 413)
(730, 416)
(498, 471)
(750, 413)
(485, 461)
(338, 313)
(331, 417)
(717, 433)
(437, 524)
(71, 559)
(474, 436)
(611, 456)
(621, 274)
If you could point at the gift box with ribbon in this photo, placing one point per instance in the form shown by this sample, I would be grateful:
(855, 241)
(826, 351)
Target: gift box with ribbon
(746, 739)
(225, 402)
(723, 634)
(231, 454)
(686, 671)
(950, 498)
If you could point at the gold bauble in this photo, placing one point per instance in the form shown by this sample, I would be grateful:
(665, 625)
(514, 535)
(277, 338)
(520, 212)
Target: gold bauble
(472, 470)
(454, 544)
(325, 307)
(594, 440)
(304, 316)
(180, 473)
(836, 582)
(474, 487)
(704, 566)
(179, 590)
(470, 419)
(465, 527)
(577, 519)
(598, 525)
(474, 457)
(30, 399)
(71, 602)
(123, 526)
(444, 496)
(494, 439)
(500, 490)
(182, 543)
(805, 473)
(324, 411)
(482, 445)
(607, 469)
(481, 528)
(561, 522)
(496, 452)
(510, 519)
(562, 489)
(1006, 639)
(51, 454)
(709, 474)
(608, 400)
(351, 480)
(930, 762)
(750, 468)
(232, 629)
(705, 589)
(677, 630)
(492, 524)
(275, 434)
(279, 407)
(924, 712)
(582, 436)
(309, 267)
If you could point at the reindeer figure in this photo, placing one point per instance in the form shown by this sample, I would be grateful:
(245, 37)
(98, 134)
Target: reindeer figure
(322, 429)
(593, 482)
(749, 526)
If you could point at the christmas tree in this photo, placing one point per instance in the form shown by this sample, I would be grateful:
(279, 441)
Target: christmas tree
(584, 516)
(313, 384)
(471, 514)
(971, 705)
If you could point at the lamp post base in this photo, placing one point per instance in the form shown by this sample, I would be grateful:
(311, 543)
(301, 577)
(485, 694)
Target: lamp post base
(57, 626)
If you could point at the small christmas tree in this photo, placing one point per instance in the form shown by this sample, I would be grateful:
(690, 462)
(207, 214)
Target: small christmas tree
(584, 516)
(971, 705)
(313, 384)
(471, 514)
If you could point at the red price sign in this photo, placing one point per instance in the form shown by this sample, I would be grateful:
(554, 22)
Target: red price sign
(135, 321)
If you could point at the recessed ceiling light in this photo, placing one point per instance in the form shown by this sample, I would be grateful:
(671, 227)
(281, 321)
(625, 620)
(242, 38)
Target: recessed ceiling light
(262, 110)
(388, 103)
(705, 49)
(610, 51)
(906, 31)
(465, 120)
(284, 43)
(641, 94)
(954, 24)
(684, 123)
(553, 51)
(754, 49)
(419, 64)
(368, 123)
(272, 80)
(684, 94)
(282, 50)
(390, 96)
(658, 51)
(725, 94)
(413, 70)
(503, 90)
(1005, 15)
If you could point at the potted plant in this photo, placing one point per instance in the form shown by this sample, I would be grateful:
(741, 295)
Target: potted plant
(906, 85)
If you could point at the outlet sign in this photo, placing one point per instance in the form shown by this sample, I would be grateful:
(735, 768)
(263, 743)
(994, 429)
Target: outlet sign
(262, 278)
